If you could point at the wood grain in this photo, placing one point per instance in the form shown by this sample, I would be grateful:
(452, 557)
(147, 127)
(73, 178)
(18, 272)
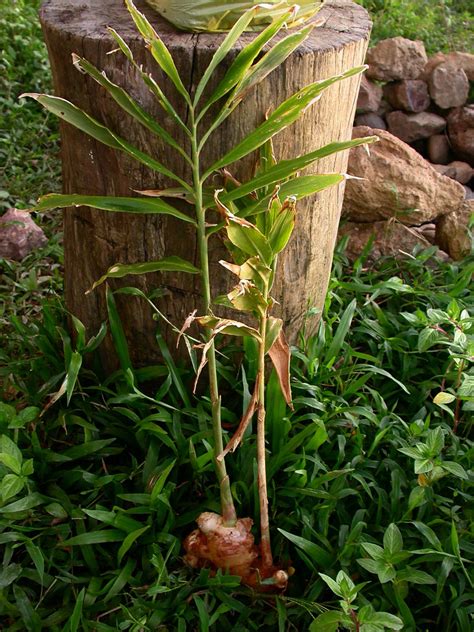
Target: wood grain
(94, 240)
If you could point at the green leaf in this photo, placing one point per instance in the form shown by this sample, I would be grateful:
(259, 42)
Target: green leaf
(76, 617)
(8, 448)
(375, 551)
(429, 534)
(329, 622)
(385, 620)
(392, 539)
(220, 54)
(245, 58)
(414, 576)
(95, 537)
(10, 486)
(159, 51)
(72, 374)
(30, 619)
(25, 416)
(249, 239)
(118, 334)
(456, 469)
(82, 121)
(286, 168)
(428, 338)
(270, 60)
(285, 114)
(126, 102)
(282, 228)
(24, 504)
(8, 574)
(128, 542)
(341, 332)
(316, 553)
(143, 206)
(443, 398)
(333, 585)
(37, 557)
(160, 483)
(167, 264)
(11, 462)
(274, 327)
(435, 441)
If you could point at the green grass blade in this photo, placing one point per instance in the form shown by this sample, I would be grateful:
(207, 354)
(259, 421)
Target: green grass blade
(341, 332)
(128, 542)
(72, 374)
(76, 617)
(118, 334)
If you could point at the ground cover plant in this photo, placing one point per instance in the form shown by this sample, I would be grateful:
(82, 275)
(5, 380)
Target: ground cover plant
(367, 481)
(443, 25)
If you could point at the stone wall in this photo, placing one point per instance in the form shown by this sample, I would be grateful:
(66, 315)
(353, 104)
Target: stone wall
(418, 181)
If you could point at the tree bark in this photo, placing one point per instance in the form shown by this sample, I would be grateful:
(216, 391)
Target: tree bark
(95, 240)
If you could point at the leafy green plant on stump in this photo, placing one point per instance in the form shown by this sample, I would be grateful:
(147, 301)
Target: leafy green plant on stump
(257, 217)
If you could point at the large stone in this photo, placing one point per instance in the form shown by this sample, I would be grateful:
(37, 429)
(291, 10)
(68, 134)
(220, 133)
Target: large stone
(410, 95)
(459, 60)
(397, 182)
(389, 239)
(461, 132)
(449, 86)
(439, 149)
(412, 127)
(370, 96)
(457, 170)
(396, 58)
(452, 231)
(371, 119)
(19, 235)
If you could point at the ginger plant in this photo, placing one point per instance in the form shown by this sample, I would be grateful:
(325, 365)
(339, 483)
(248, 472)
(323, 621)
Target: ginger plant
(238, 202)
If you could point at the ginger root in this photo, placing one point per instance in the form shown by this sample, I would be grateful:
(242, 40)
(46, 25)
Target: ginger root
(231, 549)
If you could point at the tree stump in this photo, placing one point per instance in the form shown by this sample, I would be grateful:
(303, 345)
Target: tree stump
(95, 240)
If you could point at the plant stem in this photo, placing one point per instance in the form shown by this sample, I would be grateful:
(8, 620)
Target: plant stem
(265, 543)
(227, 503)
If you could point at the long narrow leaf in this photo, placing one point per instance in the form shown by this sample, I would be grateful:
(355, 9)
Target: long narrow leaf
(150, 83)
(271, 60)
(76, 117)
(246, 57)
(126, 102)
(285, 114)
(112, 204)
(286, 168)
(118, 334)
(167, 264)
(230, 39)
(157, 48)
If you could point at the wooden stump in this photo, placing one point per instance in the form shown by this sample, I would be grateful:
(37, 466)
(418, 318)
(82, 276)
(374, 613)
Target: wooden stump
(94, 240)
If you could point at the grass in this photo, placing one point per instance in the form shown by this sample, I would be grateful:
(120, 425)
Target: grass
(111, 483)
(97, 494)
(443, 25)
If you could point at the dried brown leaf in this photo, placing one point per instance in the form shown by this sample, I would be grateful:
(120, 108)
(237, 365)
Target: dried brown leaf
(280, 356)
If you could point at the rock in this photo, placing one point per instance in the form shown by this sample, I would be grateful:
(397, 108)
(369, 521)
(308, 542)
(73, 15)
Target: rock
(410, 95)
(19, 235)
(389, 239)
(439, 149)
(396, 58)
(459, 60)
(449, 86)
(452, 231)
(398, 182)
(445, 170)
(411, 127)
(461, 132)
(468, 193)
(428, 231)
(463, 172)
(370, 96)
(371, 119)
